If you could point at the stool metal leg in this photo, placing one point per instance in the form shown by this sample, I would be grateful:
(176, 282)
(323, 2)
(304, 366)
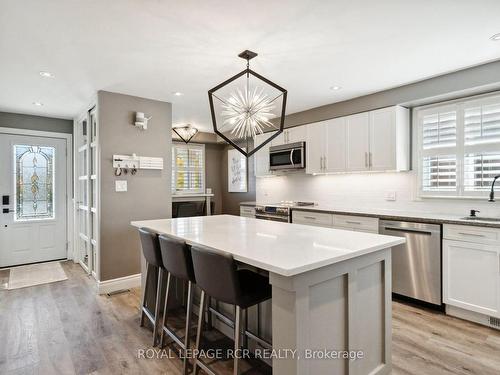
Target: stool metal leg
(237, 334)
(164, 321)
(209, 314)
(201, 315)
(245, 329)
(144, 297)
(188, 325)
(157, 305)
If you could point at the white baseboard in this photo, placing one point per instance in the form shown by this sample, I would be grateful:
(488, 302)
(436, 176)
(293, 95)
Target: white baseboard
(121, 283)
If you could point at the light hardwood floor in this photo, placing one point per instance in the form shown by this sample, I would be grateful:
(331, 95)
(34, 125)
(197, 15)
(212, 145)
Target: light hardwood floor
(66, 328)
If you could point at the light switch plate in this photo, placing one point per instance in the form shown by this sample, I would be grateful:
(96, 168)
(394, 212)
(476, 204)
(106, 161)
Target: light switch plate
(390, 195)
(121, 185)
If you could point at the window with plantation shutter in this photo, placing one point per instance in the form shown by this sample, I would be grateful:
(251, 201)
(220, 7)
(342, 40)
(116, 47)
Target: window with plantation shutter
(482, 124)
(458, 147)
(479, 171)
(440, 130)
(188, 168)
(439, 173)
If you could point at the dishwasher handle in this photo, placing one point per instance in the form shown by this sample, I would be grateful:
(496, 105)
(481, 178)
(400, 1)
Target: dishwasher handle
(407, 230)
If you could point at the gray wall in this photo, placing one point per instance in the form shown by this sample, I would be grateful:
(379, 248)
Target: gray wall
(148, 195)
(213, 173)
(480, 79)
(48, 124)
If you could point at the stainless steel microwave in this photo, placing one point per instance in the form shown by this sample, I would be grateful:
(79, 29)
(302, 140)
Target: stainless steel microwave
(287, 156)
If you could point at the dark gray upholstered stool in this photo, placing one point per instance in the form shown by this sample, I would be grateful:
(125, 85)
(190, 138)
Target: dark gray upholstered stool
(217, 275)
(152, 254)
(176, 257)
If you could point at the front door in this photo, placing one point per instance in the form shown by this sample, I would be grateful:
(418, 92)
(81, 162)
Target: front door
(33, 220)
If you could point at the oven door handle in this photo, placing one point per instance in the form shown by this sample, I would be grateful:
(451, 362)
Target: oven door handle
(291, 157)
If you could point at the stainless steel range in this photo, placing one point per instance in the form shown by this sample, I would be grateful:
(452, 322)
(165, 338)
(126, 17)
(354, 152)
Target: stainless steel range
(280, 211)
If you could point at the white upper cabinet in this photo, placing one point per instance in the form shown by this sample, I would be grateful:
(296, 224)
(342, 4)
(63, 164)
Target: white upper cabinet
(335, 145)
(368, 141)
(389, 139)
(261, 157)
(316, 147)
(279, 140)
(291, 135)
(296, 134)
(358, 142)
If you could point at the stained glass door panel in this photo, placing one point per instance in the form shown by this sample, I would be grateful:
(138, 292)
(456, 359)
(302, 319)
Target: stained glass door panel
(34, 175)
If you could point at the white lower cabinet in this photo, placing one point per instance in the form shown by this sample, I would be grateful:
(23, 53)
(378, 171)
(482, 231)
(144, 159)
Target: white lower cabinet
(247, 211)
(346, 222)
(318, 219)
(356, 223)
(471, 269)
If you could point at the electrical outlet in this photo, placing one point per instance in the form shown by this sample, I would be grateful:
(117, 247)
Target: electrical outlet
(121, 185)
(390, 196)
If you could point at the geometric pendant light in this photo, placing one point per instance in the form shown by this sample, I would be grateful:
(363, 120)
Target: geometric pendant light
(247, 105)
(186, 133)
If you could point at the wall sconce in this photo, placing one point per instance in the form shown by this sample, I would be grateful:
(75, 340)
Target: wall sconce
(141, 121)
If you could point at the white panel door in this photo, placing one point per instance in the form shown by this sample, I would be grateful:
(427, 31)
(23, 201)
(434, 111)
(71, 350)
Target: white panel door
(471, 276)
(315, 147)
(336, 145)
(33, 176)
(382, 155)
(358, 142)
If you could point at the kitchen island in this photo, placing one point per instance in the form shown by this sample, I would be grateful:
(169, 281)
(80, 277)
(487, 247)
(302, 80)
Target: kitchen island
(331, 288)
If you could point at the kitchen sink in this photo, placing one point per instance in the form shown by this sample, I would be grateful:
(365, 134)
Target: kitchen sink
(482, 218)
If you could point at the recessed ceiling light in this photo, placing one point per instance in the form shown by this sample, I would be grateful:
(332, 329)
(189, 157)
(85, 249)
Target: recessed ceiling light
(496, 37)
(38, 104)
(47, 75)
(335, 88)
(177, 93)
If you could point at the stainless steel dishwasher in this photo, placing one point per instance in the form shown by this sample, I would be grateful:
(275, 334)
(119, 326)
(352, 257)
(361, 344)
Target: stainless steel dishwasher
(416, 265)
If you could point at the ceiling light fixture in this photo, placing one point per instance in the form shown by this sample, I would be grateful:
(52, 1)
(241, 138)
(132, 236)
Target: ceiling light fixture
(177, 93)
(335, 88)
(47, 75)
(186, 132)
(38, 104)
(243, 108)
(495, 37)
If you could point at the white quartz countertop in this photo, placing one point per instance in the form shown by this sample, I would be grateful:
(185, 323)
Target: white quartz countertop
(283, 248)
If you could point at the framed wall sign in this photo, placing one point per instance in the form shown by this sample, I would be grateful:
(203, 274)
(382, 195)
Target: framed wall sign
(236, 172)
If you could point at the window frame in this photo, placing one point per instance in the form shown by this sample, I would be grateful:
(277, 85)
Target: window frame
(188, 146)
(460, 150)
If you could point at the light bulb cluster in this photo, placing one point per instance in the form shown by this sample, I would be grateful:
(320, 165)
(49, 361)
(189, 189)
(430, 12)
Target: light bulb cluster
(247, 112)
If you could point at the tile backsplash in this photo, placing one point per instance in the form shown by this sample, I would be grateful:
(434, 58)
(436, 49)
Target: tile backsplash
(365, 190)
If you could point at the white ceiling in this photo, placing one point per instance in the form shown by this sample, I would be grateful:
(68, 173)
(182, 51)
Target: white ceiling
(152, 48)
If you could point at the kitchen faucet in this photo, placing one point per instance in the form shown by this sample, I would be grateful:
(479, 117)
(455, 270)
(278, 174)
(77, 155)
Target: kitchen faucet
(492, 192)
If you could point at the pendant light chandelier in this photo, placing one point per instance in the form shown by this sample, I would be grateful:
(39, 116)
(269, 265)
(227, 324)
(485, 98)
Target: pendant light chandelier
(186, 132)
(247, 105)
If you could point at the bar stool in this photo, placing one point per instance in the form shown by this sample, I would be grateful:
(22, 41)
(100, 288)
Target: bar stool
(217, 276)
(176, 257)
(152, 254)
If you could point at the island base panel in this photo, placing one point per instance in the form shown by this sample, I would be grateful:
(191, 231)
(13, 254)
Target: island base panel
(342, 307)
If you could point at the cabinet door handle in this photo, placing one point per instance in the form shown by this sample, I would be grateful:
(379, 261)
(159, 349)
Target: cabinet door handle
(324, 163)
(370, 160)
(353, 222)
(366, 159)
(471, 234)
(310, 217)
